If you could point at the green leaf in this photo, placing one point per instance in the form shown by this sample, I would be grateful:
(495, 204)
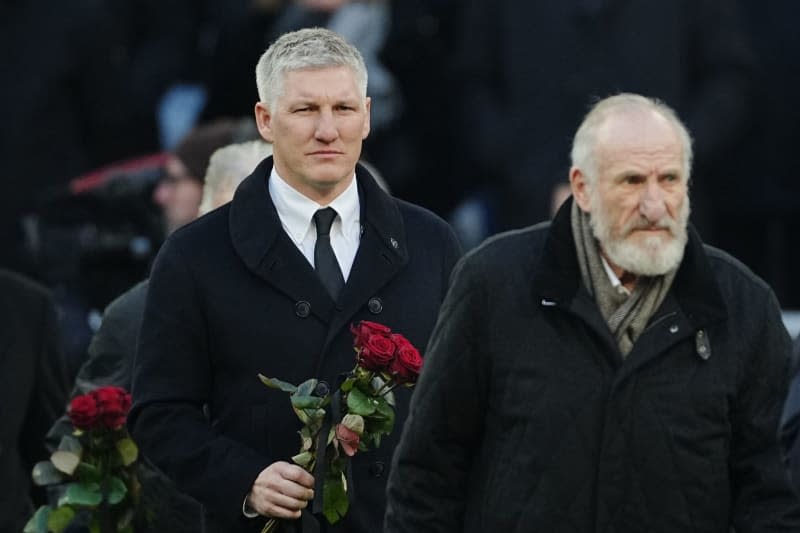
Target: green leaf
(389, 397)
(354, 423)
(359, 403)
(315, 419)
(81, 494)
(334, 498)
(38, 522)
(45, 473)
(382, 421)
(69, 443)
(306, 402)
(302, 414)
(59, 519)
(307, 387)
(65, 461)
(88, 472)
(377, 384)
(128, 451)
(277, 384)
(306, 439)
(117, 490)
(378, 427)
(347, 384)
(303, 459)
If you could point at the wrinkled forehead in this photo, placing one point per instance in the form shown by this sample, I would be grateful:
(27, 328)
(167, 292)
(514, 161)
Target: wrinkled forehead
(638, 128)
(639, 140)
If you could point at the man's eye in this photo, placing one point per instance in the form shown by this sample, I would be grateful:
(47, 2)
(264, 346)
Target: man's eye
(670, 177)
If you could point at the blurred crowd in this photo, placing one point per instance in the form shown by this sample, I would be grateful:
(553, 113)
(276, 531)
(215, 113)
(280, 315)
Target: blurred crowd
(111, 111)
(473, 105)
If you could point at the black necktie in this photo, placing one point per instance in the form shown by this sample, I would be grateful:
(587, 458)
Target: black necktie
(325, 262)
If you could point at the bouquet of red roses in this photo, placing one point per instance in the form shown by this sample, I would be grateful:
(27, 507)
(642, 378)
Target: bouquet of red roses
(95, 465)
(384, 361)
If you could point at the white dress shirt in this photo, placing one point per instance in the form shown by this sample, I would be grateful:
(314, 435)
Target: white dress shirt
(296, 213)
(612, 277)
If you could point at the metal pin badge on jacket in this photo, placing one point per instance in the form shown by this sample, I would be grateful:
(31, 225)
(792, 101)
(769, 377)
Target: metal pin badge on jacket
(394, 243)
(702, 345)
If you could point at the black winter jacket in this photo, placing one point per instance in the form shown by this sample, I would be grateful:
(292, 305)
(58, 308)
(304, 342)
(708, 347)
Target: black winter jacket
(527, 419)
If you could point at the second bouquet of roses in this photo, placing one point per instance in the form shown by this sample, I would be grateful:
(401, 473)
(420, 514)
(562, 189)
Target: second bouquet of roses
(356, 416)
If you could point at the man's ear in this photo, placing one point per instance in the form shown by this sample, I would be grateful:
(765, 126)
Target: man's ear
(366, 128)
(264, 121)
(580, 188)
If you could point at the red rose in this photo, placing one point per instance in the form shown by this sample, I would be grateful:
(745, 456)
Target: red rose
(366, 329)
(114, 404)
(348, 439)
(377, 352)
(83, 411)
(407, 365)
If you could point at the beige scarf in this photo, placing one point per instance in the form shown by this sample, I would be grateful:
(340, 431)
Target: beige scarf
(626, 315)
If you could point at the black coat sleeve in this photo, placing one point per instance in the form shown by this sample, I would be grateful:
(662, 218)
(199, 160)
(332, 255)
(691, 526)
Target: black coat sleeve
(172, 379)
(763, 499)
(427, 486)
(110, 353)
(50, 391)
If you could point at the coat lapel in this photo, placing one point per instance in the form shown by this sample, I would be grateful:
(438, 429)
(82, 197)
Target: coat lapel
(693, 303)
(382, 252)
(259, 239)
(271, 255)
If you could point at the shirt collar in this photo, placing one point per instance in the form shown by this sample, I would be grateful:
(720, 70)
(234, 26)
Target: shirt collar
(296, 211)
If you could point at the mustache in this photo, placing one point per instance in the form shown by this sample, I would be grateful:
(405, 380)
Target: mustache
(666, 222)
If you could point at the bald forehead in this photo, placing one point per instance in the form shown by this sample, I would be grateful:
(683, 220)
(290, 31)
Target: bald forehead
(637, 128)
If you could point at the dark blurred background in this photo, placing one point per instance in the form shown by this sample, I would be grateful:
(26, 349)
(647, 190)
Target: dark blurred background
(474, 106)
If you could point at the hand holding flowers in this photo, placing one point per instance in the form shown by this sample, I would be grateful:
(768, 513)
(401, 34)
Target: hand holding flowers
(361, 411)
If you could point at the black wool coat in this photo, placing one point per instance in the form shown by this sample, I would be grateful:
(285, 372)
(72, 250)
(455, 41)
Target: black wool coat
(230, 297)
(33, 392)
(527, 419)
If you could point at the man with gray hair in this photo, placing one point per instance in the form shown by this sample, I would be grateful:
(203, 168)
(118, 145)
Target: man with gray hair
(605, 372)
(227, 167)
(270, 284)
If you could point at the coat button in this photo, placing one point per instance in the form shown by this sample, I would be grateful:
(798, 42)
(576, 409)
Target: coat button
(302, 309)
(375, 305)
(322, 389)
(376, 469)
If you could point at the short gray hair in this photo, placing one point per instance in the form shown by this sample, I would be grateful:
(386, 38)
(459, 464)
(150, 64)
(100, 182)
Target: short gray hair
(585, 142)
(227, 168)
(309, 48)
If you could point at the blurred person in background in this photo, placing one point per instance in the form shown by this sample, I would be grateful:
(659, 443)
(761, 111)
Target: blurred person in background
(180, 191)
(33, 392)
(527, 72)
(758, 220)
(112, 349)
(62, 84)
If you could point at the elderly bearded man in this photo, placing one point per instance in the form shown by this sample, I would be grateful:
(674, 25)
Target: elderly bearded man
(606, 372)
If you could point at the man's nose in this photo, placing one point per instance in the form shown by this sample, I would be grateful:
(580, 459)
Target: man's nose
(652, 203)
(326, 127)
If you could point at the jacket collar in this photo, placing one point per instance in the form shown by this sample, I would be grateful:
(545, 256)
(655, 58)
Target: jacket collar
(557, 276)
(267, 251)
